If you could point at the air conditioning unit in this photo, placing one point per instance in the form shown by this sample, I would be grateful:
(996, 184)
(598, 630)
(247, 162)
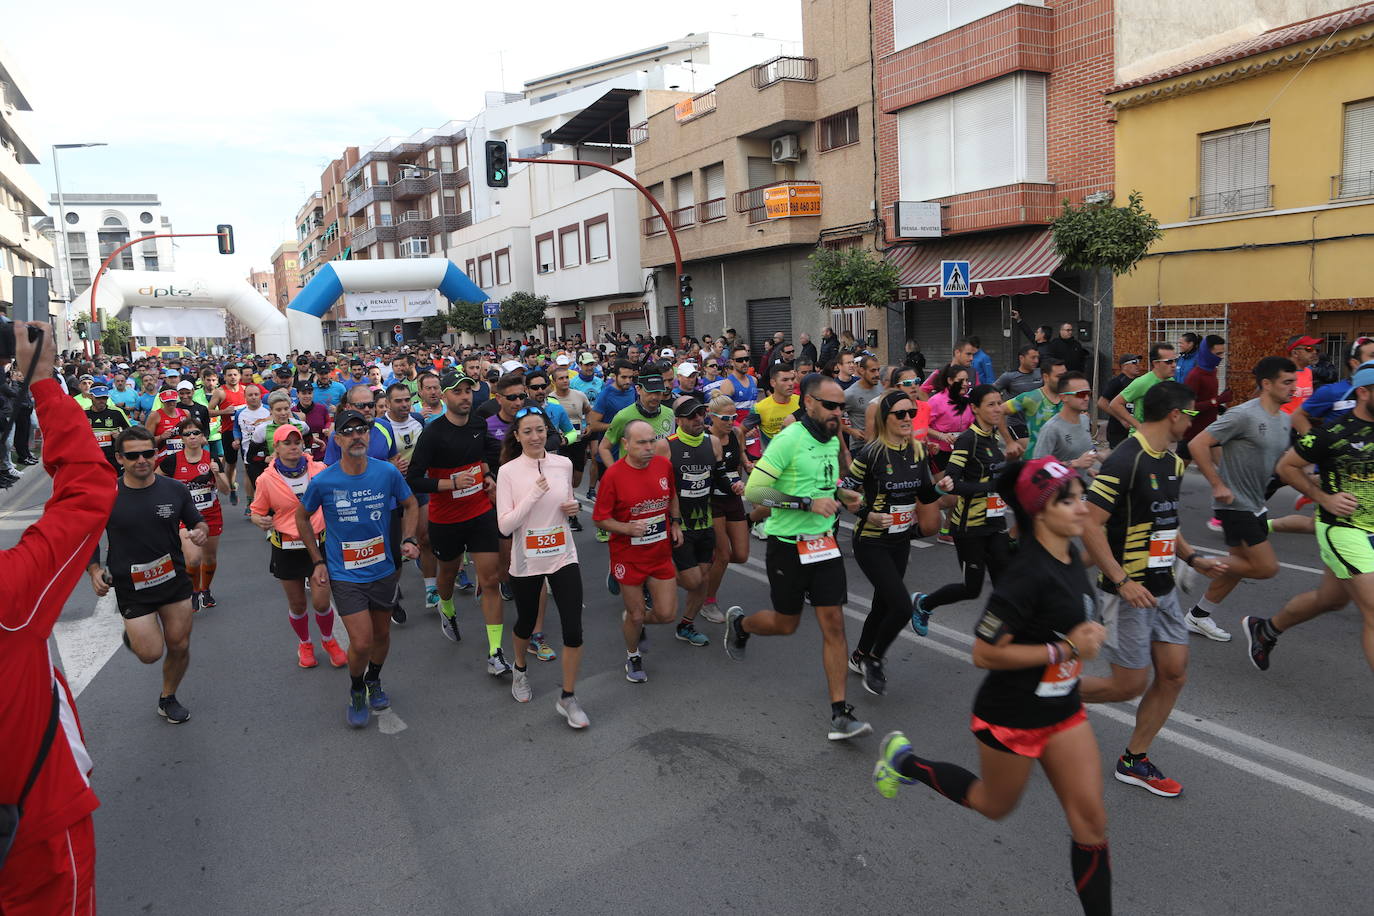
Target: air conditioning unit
(786, 148)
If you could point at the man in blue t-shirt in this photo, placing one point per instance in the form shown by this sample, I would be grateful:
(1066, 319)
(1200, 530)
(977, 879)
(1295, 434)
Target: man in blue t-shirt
(327, 391)
(356, 496)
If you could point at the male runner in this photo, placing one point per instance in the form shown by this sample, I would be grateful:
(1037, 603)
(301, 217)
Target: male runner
(1133, 537)
(858, 395)
(739, 384)
(106, 422)
(225, 403)
(1068, 436)
(246, 419)
(1131, 370)
(145, 565)
(1039, 405)
(1253, 437)
(122, 394)
(431, 398)
(777, 410)
(186, 400)
(357, 495)
(694, 456)
(797, 478)
(648, 406)
(402, 427)
(577, 405)
(1162, 362)
(612, 399)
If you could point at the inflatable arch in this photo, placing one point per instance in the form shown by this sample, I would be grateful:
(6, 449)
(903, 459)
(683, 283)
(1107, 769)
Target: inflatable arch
(338, 277)
(272, 331)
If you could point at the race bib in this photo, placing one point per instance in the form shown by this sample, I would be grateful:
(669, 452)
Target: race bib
(1162, 549)
(1059, 679)
(546, 542)
(656, 531)
(695, 485)
(817, 549)
(104, 437)
(202, 497)
(476, 471)
(361, 554)
(997, 507)
(285, 544)
(173, 445)
(147, 575)
(902, 518)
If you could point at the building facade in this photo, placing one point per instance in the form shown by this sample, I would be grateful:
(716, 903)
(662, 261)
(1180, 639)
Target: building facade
(97, 224)
(24, 250)
(286, 274)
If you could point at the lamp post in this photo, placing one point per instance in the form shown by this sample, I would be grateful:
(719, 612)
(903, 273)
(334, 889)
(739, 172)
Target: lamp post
(61, 222)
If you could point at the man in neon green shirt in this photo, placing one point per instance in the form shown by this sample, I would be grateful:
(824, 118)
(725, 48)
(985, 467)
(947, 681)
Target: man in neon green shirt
(1162, 362)
(648, 407)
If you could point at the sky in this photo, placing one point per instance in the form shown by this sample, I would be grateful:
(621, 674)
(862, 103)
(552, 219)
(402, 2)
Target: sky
(229, 112)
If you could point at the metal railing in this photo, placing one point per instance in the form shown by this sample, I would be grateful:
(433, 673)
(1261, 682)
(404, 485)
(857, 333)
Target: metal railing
(412, 216)
(1239, 200)
(695, 107)
(653, 225)
(752, 201)
(683, 217)
(638, 133)
(711, 210)
(1352, 184)
(783, 68)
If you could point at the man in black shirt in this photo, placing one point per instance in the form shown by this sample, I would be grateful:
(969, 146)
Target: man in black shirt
(1131, 369)
(106, 422)
(145, 565)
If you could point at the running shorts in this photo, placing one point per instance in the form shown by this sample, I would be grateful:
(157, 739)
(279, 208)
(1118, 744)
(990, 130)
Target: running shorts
(1241, 528)
(1132, 630)
(1024, 742)
(476, 535)
(356, 597)
(292, 565)
(791, 582)
(632, 573)
(1346, 551)
(132, 605)
(697, 549)
(217, 448)
(576, 453)
(730, 508)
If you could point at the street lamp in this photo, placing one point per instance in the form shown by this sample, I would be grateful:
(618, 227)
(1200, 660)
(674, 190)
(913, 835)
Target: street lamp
(61, 224)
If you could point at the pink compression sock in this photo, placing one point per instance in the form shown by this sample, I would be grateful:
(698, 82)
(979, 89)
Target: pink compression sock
(325, 622)
(301, 625)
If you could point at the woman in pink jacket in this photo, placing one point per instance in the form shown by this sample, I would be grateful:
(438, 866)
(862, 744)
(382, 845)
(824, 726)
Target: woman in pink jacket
(274, 510)
(950, 413)
(534, 500)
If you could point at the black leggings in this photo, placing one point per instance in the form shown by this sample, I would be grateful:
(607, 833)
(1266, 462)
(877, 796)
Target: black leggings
(977, 554)
(566, 584)
(883, 561)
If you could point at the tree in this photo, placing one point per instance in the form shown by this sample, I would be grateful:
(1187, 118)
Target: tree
(434, 327)
(521, 312)
(852, 277)
(114, 336)
(466, 316)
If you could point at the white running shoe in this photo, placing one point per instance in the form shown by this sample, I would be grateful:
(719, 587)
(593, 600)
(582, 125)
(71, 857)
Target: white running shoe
(1206, 626)
(520, 686)
(571, 710)
(711, 613)
(758, 531)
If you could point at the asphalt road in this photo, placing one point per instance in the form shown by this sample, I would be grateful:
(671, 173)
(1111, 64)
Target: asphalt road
(710, 789)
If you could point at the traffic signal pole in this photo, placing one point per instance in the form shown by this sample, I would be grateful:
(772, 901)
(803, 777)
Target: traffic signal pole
(663, 214)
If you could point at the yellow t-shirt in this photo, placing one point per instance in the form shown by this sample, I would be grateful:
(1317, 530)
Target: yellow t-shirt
(772, 414)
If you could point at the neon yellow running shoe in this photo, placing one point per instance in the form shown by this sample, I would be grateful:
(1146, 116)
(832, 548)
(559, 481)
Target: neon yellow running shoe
(886, 778)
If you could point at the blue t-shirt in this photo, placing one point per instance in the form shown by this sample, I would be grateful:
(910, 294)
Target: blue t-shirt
(357, 513)
(592, 387)
(126, 400)
(330, 394)
(146, 402)
(612, 401)
(1329, 402)
(557, 416)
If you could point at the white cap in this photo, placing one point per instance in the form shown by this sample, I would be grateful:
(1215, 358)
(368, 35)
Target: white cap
(686, 369)
(185, 386)
(511, 365)
(562, 360)
(667, 353)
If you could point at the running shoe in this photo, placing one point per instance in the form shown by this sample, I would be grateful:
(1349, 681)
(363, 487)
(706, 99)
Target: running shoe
(1145, 774)
(1301, 502)
(464, 583)
(711, 612)
(570, 709)
(398, 614)
(945, 537)
(612, 586)
(357, 713)
(207, 599)
(305, 655)
(541, 649)
(520, 686)
(920, 617)
(507, 593)
(603, 535)
(246, 512)
(875, 681)
(634, 670)
(591, 493)
(1214, 523)
(757, 530)
(574, 523)
(171, 710)
(856, 662)
(195, 602)
(431, 597)
(449, 627)
(688, 634)
(843, 725)
(233, 497)
(30, 461)
(1206, 626)
(736, 640)
(376, 696)
(1260, 645)
(497, 664)
(887, 779)
(337, 656)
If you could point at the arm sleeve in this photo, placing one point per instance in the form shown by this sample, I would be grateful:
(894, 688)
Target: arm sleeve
(511, 508)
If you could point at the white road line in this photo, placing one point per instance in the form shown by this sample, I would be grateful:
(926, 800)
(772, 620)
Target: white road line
(85, 645)
(1179, 718)
(388, 723)
(1306, 569)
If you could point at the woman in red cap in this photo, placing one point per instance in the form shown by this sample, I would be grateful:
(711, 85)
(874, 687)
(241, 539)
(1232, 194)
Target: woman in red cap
(1031, 639)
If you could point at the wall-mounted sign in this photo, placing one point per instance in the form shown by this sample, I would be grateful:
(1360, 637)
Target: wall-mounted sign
(917, 219)
(792, 200)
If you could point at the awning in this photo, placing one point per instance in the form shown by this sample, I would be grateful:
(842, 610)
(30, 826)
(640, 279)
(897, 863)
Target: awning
(1003, 264)
(606, 120)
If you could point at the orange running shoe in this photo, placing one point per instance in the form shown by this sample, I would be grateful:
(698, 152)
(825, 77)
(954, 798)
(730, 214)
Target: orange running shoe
(306, 653)
(337, 656)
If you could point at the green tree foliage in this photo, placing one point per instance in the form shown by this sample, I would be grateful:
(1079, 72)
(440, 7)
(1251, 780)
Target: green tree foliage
(433, 327)
(852, 277)
(521, 312)
(1093, 236)
(466, 316)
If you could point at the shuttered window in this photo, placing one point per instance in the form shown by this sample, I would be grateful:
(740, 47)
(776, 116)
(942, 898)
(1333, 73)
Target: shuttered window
(760, 171)
(543, 248)
(598, 240)
(569, 248)
(1235, 171)
(1357, 155)
(915, 21)
(683, 191)
(713, 176)
(502, 268)
(484, 273)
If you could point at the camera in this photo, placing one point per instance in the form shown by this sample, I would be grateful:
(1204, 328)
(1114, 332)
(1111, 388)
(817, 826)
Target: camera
(7, 339)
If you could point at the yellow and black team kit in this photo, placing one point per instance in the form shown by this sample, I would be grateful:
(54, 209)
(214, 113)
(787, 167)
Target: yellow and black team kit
(974, 465)
(1139, 487)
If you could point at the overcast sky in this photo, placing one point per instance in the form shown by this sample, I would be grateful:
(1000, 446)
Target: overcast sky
(230, 111)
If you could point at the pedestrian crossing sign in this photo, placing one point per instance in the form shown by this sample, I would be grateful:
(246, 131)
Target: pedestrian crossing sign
(954, 279)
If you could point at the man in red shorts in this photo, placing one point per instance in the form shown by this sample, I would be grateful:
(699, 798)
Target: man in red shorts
(637, 504)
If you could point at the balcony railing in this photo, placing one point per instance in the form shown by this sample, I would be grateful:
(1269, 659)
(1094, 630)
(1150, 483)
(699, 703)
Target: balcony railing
(778, 69)
(1240, 200)
(753, 201)
(711, 210)
(1352, 184)
(695, 107)
(683, 217)
(653, 225)
(638, 133)
(369, 194)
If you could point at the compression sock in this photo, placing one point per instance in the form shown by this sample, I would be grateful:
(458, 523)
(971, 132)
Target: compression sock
(1268, 629)
(494, 631)
(207, 573)
(194, 573)
(948, 779)
(301, 625)
(373, 673)
(356, 680)
(446, 607)
(324, 621)
(518, 668)
(431, 582)
(1092, 876)
(1204, 608)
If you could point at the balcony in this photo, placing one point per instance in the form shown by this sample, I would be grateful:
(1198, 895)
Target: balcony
(410, 184)
(413, 223)
(371, 232)
(769, 202)
(1238, 200)
(368, 195)
(709, 211)
(638, 133)
(450, 221)
(802, 69)
(652, 225)
(1352, 184)
(683, 217)
(695, 107)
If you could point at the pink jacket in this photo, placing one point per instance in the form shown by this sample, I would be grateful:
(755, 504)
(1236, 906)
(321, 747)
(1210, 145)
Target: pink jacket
(945, 419)
(274, 493)
(541, 541)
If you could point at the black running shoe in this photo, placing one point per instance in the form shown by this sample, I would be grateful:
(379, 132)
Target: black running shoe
(30, 461)
(398, 614)
(172, 711)
(207, 599)
(1260, 645)
(507, 593)
(195, 602)
(574, 523)
(875, 682)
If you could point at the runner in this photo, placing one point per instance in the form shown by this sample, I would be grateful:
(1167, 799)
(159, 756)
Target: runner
(858, 396)
(534, 498)
(317, 419)
(225, 404)
(1342, 452)
(402, 427)
(274, 510)
(900, 502)
(648, 406)
(611, 399)
(1068, 435)
(1252, 437)
(431, 399)
(1133, 538)
(357, 495)
(774, 412)
(797, 478)
(1038, 406)
(186, 400)
(146, 568)
(106, 422)
(727, 505)
(164, 421)
(197, 470)
(1032, 640)
(279, 415)
(578, 407)
(1162, 363)
(246, 419)
(739, 386)
(694, 457)
(1131, 369)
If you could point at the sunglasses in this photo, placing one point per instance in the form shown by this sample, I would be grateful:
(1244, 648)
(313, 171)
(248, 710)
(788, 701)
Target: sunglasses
(1188, 413)
(134, 456)
(904, 414)
(1079, 394)
(828, 405)
(908, 383)
(193, 432)
(537, 387)
(741, 359)
(354, 431)
(515, 397)
(727, 417)
(364, 404)
(1168, 361)
(529, 411)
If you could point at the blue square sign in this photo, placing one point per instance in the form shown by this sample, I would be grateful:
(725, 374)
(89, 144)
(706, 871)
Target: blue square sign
(491, 308)
(954, 280)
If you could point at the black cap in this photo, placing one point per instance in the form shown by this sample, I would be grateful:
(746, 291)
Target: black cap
(320, 366)
(453, 378)
(651, 381)
(1127, 358)
(686, 405)
(351, 417)
(355, 361)
(283, 370)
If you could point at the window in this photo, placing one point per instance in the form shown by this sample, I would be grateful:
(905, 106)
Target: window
(569, 248)
(915, 21)
(471, 270)
(72, 218)
(113, 221)
(713, 177)
(598, 239)
(1357, 157)
(463, 155)
(985, 136)
(484, 276)
(464, 198)
(503, 267)
(683, 191)
(145, 217)
(149, 262)
(838, 130)
(1235, 171)
(543, 250)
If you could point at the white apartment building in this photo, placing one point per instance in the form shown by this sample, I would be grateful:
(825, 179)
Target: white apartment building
(24, 251)
(97, 224)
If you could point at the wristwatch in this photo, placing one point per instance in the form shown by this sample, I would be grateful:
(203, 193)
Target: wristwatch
(411, 541)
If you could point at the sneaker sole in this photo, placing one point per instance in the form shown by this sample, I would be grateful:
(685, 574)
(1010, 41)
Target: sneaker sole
(879, 770)
(352, 724)
(854, 669)
(1250, 645)
(170, 721)
(876, 693)
(1137, 781)
(639, 680)
(1195, 629)
(864, 729)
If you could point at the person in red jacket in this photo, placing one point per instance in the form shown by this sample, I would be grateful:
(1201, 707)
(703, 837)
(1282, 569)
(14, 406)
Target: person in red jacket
(51, 866)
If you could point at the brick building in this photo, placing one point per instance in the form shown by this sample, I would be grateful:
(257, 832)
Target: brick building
(286, 274)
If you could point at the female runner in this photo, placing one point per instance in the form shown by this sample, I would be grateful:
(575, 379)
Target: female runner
(1031, 640)
(274, 510)
(727, 504)
(198, 470)
(903, 378)
(534, 500)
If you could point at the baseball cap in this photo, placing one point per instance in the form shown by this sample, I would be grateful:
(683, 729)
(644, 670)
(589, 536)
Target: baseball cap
(320, 366)
(453, 379)
(1303, 341)
(562, 360)
(185, 386)
(283, 370)
(86, 378)
(587, 359)
(1363, 376)
(1127, 358)
(167, 395)
(1041, 479)
(687, 369)
(99, 391)
(511, 365)
(351, 418)
(666, 353)
(686, 405)
(170, 373)
(651, 381)
(283, 431)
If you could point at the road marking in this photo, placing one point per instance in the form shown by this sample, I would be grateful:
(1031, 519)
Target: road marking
(85, 645)
(1306, 569)
(1190, 720)
(388, 723)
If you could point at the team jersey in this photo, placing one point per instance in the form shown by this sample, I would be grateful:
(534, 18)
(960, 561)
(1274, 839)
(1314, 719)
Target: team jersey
(1037, 410)
(590, 387)
(744, 394)
(164, 424)
(106, 425)
(246, 419)
(202, 399)
(626, 493)
(357, 513)
(1134, 393)
(199, 480)
(662, 422)
(892, 482)
(798, 464)
(726, 472)
(1139, 487)
(974, 465)
(1302, 390)
(126, 400)
(1344, 455)
(772, 414)
(444, 449)
(708, 386)
(694, 461)
(403, 434)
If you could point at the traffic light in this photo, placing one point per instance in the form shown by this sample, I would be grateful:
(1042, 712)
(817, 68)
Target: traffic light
(684, 288)
(226, 238)
(498, 164)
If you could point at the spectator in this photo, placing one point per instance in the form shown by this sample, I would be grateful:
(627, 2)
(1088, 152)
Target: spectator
(1131, 369)
(1025, 377)
(1066, 347)
(914, 357)
(982, 363)
(1187, 355)
(808, 349)
(1040, 336)
(830, 347)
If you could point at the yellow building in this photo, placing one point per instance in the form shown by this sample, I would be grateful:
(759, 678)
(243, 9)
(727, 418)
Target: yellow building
(1258, 162)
